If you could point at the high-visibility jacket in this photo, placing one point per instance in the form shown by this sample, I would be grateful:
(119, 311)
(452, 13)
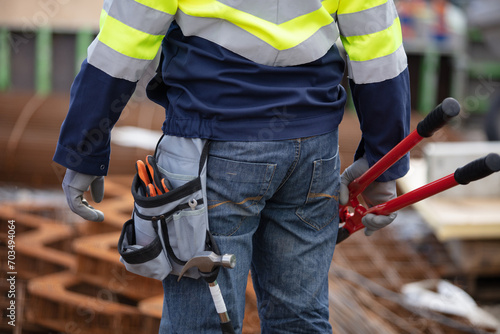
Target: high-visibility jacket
(242, 70)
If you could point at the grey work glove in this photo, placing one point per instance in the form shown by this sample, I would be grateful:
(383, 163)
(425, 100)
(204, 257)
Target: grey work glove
(74, 185)
(375, 193)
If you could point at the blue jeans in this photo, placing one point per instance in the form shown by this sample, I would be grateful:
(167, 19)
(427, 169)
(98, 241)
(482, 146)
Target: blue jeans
(275, 206)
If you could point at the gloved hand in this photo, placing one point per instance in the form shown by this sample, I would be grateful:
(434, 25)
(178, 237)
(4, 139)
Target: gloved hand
(74, 185)
(375, 193)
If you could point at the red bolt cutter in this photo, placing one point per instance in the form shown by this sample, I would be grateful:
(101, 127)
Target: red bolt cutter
(352, 213)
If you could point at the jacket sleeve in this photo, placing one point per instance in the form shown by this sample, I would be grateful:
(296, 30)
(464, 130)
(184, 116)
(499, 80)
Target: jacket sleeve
(130, 36)
(378, 77)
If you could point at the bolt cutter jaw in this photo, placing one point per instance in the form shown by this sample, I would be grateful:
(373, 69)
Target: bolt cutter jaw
(351, 216)
(436, 119)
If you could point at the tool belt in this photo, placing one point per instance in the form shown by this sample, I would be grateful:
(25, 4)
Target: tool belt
(168, 229)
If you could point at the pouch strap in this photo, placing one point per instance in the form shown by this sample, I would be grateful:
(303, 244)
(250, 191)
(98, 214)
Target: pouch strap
(166, 240)
(158, 145)
(203, 157)
(161, 219)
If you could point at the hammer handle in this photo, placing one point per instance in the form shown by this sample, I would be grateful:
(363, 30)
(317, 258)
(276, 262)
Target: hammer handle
(220, 306)
(227, 327)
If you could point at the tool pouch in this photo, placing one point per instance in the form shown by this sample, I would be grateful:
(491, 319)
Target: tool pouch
(169, 229)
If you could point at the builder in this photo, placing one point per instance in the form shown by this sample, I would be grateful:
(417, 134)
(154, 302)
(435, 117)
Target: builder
(261, 81)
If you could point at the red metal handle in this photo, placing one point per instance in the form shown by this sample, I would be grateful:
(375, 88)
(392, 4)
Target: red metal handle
(435, 120)
(414, 196)
(353, 218)
(448, 109)
(357, 186)
(473, 171)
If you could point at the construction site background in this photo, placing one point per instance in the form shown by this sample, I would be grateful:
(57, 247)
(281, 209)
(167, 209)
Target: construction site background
(67, 275)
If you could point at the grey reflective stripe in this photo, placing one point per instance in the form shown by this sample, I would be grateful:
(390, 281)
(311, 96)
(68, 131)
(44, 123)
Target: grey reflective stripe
(138, 16)
(114, 63)
(368, 21)
(274, 11)
(378, 69)
(251, 47)
(310, 50)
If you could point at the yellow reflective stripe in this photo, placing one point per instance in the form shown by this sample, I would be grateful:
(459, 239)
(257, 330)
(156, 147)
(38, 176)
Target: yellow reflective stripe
(281, 36)
(166, 6)
(102, 18)
(127, 40)
(297, 30)
(353, 6)
(379, 44)
(330, 5)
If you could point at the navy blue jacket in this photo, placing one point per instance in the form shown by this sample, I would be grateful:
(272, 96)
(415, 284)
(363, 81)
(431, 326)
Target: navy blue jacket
(210, 92)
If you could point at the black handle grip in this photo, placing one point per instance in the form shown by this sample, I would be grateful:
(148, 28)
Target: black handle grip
(342, 234)
(478, 169)
(448, 109)
(227, 328)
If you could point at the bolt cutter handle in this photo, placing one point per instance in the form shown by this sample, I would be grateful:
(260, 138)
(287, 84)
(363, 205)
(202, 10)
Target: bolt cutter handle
(435, 120)
(473, 171)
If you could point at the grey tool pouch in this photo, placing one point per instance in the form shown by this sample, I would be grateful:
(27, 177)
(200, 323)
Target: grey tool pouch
(167, 230)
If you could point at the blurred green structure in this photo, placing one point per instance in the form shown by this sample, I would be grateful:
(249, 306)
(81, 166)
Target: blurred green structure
(43, 43)
(484, 65)
(46, 69)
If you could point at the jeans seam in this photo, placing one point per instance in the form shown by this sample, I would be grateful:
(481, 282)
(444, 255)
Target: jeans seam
(255, 202)
(236, 228)
(311, 183)
(314, 226)
(293, 166)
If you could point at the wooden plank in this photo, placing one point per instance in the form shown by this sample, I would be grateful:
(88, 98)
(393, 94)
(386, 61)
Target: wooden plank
(478, 257)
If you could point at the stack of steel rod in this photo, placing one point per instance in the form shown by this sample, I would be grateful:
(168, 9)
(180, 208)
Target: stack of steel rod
(74, 279)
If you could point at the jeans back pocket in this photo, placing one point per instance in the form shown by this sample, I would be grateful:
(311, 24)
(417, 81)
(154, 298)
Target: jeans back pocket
(321, 206)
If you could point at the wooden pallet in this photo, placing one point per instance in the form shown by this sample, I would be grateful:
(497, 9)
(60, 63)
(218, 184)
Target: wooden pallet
(39, 243)
(68, 303)
(98, 262)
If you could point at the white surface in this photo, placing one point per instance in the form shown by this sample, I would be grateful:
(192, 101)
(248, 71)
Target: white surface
(444, 158)
(131, 136)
